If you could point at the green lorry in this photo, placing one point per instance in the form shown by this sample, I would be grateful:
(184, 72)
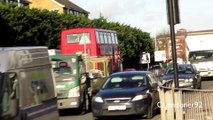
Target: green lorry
(75, 77)
(72, 82)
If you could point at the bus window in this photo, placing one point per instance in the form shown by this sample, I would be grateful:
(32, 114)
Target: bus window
(98, 37)
(105, 38)
(116, 39)
(72, 38)
(113, 38)
(109, 38)
(101, 37)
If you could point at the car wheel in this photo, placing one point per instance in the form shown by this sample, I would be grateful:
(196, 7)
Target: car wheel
(150, 112)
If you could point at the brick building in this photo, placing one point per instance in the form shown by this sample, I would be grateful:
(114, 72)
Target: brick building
(180, 45)
(164, 42)
(62, 6)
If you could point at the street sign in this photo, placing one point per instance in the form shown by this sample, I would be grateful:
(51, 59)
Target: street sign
(173, 11)
(145, 58)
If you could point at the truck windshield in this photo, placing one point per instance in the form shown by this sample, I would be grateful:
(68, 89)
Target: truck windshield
(63, 67)
(200, 55)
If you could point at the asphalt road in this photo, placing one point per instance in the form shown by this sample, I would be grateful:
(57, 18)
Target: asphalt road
(72, 115)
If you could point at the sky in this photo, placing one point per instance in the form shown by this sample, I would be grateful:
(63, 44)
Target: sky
(151, 15)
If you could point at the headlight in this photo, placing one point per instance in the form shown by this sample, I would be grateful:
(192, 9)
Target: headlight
(186, 80)
(139, 97)
(190, 80)
(74, 92)
(98, 99)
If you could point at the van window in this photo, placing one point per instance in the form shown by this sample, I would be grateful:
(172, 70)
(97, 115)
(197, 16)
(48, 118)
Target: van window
(37, 86)
(10, 89)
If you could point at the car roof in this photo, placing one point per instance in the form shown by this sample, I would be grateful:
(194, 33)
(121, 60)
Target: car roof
(127, 73)
(181, 65)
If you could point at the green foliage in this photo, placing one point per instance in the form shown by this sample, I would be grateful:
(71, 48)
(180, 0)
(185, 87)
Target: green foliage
(32, 27)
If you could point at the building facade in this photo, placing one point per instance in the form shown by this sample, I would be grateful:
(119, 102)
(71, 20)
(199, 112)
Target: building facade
(164, 42)
(62, 6)
(180, 45)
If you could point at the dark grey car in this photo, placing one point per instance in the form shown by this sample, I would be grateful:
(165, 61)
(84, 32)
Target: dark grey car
(127, 93)
(187, 74)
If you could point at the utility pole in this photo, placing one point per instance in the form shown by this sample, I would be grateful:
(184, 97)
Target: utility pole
(173, 18)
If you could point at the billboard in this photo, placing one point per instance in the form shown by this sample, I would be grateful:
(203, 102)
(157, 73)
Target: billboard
(160, 56)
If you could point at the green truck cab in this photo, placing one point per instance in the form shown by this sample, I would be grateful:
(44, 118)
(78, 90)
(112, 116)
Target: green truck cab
(72, 82)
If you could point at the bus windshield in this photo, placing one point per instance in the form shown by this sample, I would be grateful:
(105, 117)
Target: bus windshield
(82, 38)
(201, 55)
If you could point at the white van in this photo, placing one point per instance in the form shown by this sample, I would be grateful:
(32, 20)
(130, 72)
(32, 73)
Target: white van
(27, 88)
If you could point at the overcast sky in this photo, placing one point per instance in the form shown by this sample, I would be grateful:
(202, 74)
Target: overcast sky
(150, 15)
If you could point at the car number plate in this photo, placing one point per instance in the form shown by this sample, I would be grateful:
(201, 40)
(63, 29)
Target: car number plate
(123, 107)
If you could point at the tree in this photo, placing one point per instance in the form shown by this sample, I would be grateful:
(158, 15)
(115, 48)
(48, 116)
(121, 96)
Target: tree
(22, 26)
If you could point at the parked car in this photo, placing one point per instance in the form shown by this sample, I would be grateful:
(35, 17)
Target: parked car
(127, 93)
(188, 76)
(158, 70)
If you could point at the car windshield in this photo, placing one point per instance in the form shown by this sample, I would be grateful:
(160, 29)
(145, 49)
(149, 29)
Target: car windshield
(185, 69)
(125, 82)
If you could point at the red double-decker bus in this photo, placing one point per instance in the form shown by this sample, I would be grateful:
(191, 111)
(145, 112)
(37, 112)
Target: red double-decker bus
(93, 42)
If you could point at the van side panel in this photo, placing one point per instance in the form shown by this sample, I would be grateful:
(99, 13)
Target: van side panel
(38, 90)
(45, 111)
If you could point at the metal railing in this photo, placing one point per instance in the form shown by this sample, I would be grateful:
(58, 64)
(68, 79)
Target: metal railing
(185, 104)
